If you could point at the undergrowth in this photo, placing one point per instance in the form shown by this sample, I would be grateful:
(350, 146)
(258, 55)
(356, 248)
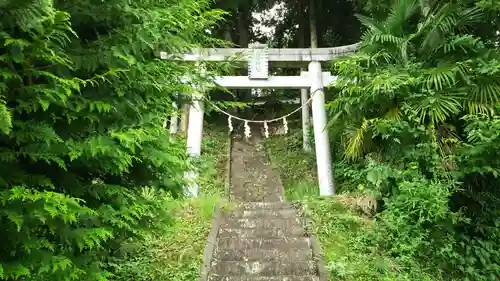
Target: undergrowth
(175, 251)
(297, 168)
(348, 237)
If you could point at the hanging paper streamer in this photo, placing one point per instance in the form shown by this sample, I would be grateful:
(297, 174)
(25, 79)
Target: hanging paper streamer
(266, 130)
(285, 125)
(230, 124)
(247, 130)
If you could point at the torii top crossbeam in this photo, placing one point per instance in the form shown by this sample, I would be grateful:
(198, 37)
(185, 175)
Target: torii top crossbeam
(297, 57)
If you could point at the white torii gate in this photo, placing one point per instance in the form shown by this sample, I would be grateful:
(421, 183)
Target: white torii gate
(258, 57)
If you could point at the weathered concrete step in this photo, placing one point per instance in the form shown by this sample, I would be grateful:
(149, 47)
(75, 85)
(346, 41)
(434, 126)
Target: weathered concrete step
(265, 268)
(260, 212)
(282, 223)
(256, 198)
(256, 254)
(264, 205)
(262, 232)
(264, 278)
(302, 243)
(265, 193)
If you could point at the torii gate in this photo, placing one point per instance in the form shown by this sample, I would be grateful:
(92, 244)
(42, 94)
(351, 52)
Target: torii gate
(258, 57)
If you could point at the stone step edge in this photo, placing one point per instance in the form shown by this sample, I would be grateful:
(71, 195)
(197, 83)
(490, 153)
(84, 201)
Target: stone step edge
(262, 213)
(292, 223)
(273, 243)
(276, 268)
(262, 205)
(288, 255)
(263, 278)
(211, 243)
(262, 233)
(270, 239)
(317, 251)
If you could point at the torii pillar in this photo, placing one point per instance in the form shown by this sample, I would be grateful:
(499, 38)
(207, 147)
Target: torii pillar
(322, 143)
(193, 142)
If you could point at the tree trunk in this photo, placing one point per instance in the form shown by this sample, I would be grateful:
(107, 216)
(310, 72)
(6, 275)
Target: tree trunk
(304, 93)
(243, 26)
(313, 24)
(227, 33)
(244, 40)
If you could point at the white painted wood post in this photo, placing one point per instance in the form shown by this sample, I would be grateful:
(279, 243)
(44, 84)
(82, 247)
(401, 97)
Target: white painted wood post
(194, 138)
(174, 119)
(323, 158)
(304, 97)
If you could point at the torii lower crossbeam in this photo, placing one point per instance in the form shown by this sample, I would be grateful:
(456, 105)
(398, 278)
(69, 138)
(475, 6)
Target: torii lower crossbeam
(273, 82)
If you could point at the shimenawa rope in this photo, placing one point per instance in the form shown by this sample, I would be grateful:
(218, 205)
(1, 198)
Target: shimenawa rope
(264, 121)
(266, 128)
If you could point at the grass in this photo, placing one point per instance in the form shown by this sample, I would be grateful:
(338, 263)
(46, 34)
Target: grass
(348, 238)
(185, 240)
(175, 253)
(297, 168)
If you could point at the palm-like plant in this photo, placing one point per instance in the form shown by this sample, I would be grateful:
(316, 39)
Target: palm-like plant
(419, 63)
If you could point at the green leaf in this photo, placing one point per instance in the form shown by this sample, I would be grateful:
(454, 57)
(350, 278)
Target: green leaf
(5, 119)
(44, 103)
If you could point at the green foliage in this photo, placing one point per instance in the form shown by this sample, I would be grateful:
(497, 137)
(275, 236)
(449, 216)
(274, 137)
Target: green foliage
(175, 251)
(296, 167)
(83, 99)
(416, 112)
(351, 248)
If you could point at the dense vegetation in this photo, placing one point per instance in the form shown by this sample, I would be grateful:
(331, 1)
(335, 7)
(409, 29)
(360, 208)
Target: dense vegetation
(175, 251)
(90, 179)
(416, 120)
(83, 99)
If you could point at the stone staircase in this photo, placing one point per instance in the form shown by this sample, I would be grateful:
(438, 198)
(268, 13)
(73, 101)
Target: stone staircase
(260, 237)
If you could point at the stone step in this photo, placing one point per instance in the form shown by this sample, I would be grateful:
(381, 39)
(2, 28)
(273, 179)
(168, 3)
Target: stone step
(265, 268)
(255, 193)
(264, 205)
(302, 243)
(257, 254)
(259, 212)
(269, 233)
(281, 223)
(260, 197)
(264, 278)
(257, 178)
